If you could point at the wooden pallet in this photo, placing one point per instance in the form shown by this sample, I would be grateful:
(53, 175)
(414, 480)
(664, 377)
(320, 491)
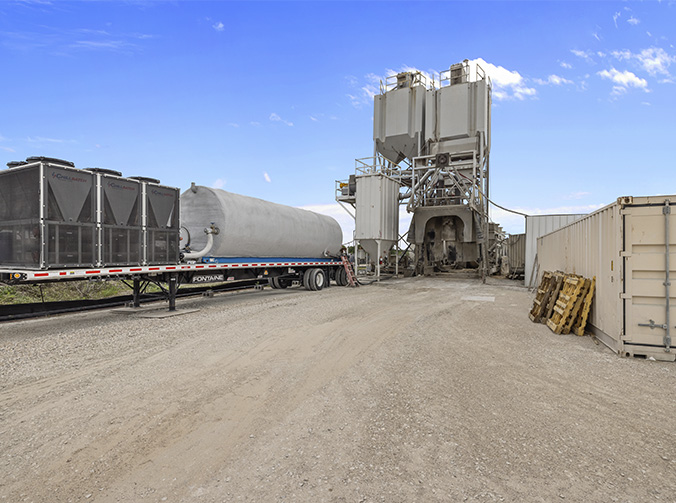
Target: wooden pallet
(577, 306)
(581, 321)
(558, 281)
(548, 289)
(565, 303)
(541, 298)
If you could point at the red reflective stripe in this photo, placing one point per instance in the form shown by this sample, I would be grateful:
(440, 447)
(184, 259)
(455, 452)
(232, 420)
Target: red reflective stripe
(136, 269)
(171, 268)
(213, 266)
(153, 268)
(92, 272)
(112, 270)
(62, 274)
(235, 265)
(199, 267)
(41, 274)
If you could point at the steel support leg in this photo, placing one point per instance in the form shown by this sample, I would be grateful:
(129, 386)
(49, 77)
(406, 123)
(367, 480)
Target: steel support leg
(172, 292)
(137, 292)
(667, 280)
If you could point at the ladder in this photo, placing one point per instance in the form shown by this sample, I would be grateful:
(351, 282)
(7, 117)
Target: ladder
(352, 281)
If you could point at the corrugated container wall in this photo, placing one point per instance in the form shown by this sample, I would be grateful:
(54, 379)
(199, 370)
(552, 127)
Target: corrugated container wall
(624, 246)
(516, 253)
(536, 226)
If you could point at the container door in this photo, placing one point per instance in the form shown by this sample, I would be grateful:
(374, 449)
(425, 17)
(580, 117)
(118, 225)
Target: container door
(646, 249)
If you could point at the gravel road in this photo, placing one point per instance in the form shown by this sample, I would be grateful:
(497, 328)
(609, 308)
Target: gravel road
(411, 390)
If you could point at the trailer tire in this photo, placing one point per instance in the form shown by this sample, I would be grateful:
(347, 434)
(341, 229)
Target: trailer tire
(338, 277)
(314, 279)
(277, 283)
(341, 277)
(306, 279)
(318, 279)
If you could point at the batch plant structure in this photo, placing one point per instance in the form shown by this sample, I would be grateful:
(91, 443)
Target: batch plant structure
(432, 139)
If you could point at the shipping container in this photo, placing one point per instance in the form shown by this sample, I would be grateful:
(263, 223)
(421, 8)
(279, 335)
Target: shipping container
(516, 254)
(630, 247)
(536, 226)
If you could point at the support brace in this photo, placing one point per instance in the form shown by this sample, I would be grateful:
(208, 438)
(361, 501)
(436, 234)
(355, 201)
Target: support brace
(172, 283)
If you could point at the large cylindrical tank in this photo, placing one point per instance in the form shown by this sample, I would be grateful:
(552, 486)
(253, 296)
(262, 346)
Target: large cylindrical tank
(250, 227)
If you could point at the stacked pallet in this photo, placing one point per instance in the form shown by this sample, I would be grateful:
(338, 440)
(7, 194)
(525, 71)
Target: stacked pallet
(563, 301)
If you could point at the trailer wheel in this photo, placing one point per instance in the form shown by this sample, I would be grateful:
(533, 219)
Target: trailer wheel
(318, 279)
(277, 283)
(341, 277)
(314, 279)
(306, 279)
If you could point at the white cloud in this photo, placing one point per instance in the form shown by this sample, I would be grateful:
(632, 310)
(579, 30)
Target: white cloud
(276, 118)
(233, 124)
(267, 177)
(633, 21)
(565, 65)
(596, 36)
(254, 123)
(218, 26)
(7, 149)
(615, 17)
(653, 60)
(219, 183)
(507, 84)
(363, 94)
(314, 119)
(113, 45)
(624, 54)
(623, 80)
(583, 55)
(577, 195)
(553, 80)
(41, 139)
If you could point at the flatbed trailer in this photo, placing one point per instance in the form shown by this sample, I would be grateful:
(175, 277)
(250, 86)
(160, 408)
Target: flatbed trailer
(313, 273)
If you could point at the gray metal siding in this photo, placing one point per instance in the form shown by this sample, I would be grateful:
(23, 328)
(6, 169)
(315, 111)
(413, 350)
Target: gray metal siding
(539, 225)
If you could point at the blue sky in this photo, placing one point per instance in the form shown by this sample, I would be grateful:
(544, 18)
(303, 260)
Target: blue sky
(274, 99)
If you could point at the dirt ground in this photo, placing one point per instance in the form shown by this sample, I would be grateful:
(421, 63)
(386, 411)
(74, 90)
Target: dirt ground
(415, 390)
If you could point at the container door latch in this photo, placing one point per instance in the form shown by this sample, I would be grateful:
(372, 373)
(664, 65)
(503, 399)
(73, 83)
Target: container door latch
(667, 338)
